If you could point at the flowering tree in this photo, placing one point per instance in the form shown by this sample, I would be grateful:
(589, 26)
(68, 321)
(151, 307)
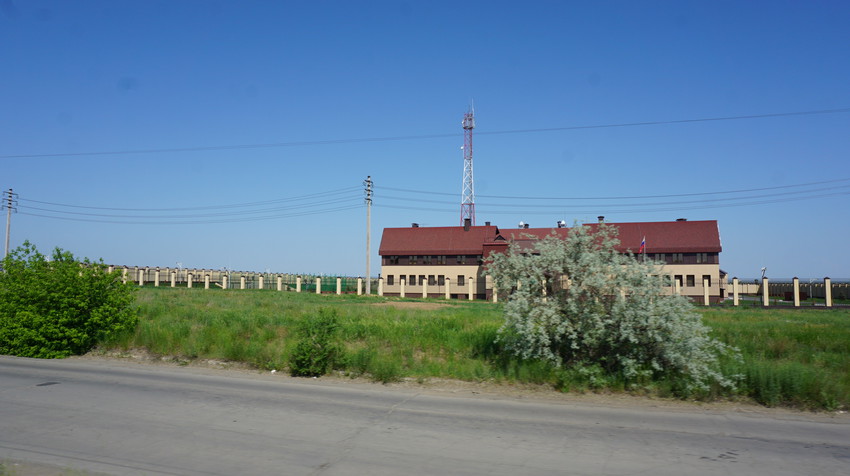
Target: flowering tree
(580, 303)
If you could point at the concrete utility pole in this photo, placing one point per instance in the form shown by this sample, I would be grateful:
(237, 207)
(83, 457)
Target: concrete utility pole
(9, 204)
(368, 184)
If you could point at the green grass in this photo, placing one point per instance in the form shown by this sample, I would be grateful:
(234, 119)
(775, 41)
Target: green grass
(796, 358)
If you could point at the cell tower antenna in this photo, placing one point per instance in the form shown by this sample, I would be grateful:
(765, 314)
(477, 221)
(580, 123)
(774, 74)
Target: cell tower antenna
(467, 203)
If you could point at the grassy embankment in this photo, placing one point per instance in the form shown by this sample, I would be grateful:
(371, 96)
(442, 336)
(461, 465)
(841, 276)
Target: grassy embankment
(797, 358)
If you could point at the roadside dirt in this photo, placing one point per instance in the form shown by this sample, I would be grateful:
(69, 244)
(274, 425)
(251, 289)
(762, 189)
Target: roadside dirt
(459, 388)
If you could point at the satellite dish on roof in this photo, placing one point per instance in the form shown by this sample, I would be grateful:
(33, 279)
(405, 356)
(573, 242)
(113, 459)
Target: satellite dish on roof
(521, 224)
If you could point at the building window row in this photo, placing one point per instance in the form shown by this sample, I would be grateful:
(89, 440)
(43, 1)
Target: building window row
(433, 259)
(690, 280)
(432, 280)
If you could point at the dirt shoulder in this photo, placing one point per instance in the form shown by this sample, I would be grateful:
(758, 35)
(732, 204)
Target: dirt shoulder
(459, 388)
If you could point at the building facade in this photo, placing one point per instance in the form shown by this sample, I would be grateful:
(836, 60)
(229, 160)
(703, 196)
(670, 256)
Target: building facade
(450, 261)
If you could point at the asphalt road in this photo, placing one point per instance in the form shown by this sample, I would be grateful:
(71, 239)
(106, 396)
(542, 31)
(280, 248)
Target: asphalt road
(120, 419)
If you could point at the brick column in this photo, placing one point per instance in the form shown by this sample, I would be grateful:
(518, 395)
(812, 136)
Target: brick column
(706, 289)
(827, 289)
(448, 288)
(359, 286)
(318, 285)
(380, 286)
(471, 285)
(280, 283)
(298, 284)
(338, 286)
(765, 296)
(156, 278)
(401, 282)
(796, 291)
(735, 291)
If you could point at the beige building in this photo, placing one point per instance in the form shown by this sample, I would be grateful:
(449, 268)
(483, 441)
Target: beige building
(449, 261)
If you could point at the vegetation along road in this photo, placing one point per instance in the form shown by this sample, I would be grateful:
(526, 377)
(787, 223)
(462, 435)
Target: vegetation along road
(121, 418)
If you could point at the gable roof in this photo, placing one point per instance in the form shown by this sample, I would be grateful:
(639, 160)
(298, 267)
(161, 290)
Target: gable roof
(661, 237)
(439, 240)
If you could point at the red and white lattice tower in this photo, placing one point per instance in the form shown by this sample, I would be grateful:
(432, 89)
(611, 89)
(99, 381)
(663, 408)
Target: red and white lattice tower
(467, 203)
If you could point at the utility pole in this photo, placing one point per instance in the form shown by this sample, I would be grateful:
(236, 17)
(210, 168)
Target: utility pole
(368, 184)
(9, 205)
(467, 202)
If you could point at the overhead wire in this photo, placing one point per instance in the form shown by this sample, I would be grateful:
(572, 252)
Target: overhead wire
(421, 136)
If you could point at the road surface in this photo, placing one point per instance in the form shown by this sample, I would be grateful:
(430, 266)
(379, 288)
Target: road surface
(133, 419)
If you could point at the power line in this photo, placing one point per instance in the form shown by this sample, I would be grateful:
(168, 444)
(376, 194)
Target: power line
(420, 137)
(625, 197)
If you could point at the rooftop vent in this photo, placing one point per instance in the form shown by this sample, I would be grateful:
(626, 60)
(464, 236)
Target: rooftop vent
(486, 223)
(414, 225)
(681, 219)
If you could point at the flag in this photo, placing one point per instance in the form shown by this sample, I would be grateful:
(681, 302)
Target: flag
(642, 245)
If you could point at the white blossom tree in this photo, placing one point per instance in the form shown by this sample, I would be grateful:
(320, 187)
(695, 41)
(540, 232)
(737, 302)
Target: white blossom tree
(579, 303)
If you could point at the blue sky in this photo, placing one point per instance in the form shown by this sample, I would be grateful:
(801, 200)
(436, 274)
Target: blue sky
(238, 134)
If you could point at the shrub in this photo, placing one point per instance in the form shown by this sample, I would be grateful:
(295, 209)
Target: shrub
(59, 307)
(579, 303)
(318, 348)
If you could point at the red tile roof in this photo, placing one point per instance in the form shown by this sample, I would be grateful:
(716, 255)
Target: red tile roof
(440, 240)
(661, 237)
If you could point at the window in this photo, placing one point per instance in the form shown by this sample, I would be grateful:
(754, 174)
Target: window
(461, 259)
(660, 257)
(691, 280)
(426, 259)
(441, 280)
(413, 259)
(441, 259)
(432, 280)
(421, 279)
(390, 280)
(460, 280)
(706, 277)
(678, 258)
(702, 257)
(411, 280)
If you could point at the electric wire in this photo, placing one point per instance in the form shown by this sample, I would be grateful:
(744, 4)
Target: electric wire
(422, 136)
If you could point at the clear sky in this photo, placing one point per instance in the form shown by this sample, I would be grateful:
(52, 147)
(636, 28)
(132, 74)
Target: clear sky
(238, 134)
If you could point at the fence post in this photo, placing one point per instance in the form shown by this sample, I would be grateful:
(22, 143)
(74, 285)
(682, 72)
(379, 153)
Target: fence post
(173, 278)
(338, 285)
(242, 282)
(448, 288)
(207, 281)
(471, 286)
(262, 282)
(224, 281)
(677, 286)
(318, 285)
(156, 278)
(425, 288)
(765, 295)
(827, 289)
(735, 291)
(124, 275)
(298, 284)
(189, 277)
(280, 283)
(401, 282)
(705, 292)
(141, 277)
(359, 286)
(796, 291)
(380, 286)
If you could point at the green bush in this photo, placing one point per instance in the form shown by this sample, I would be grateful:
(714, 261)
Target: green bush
(61, 306)
(318, 348)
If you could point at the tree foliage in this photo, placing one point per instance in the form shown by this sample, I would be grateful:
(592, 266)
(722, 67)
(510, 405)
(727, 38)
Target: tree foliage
(318, 348)
(579, 303)
(60, 306)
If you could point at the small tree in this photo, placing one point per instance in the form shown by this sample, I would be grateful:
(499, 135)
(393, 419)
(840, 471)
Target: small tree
(61, 306)
(580, 303)
(318, 348)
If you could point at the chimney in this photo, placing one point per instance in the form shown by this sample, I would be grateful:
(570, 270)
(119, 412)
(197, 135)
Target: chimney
(601, 218)
(486, 223)
(467, 222)
(681, 219)
(414, 225)
(525, 226)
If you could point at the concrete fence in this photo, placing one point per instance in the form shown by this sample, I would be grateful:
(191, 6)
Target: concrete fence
(794, 291)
